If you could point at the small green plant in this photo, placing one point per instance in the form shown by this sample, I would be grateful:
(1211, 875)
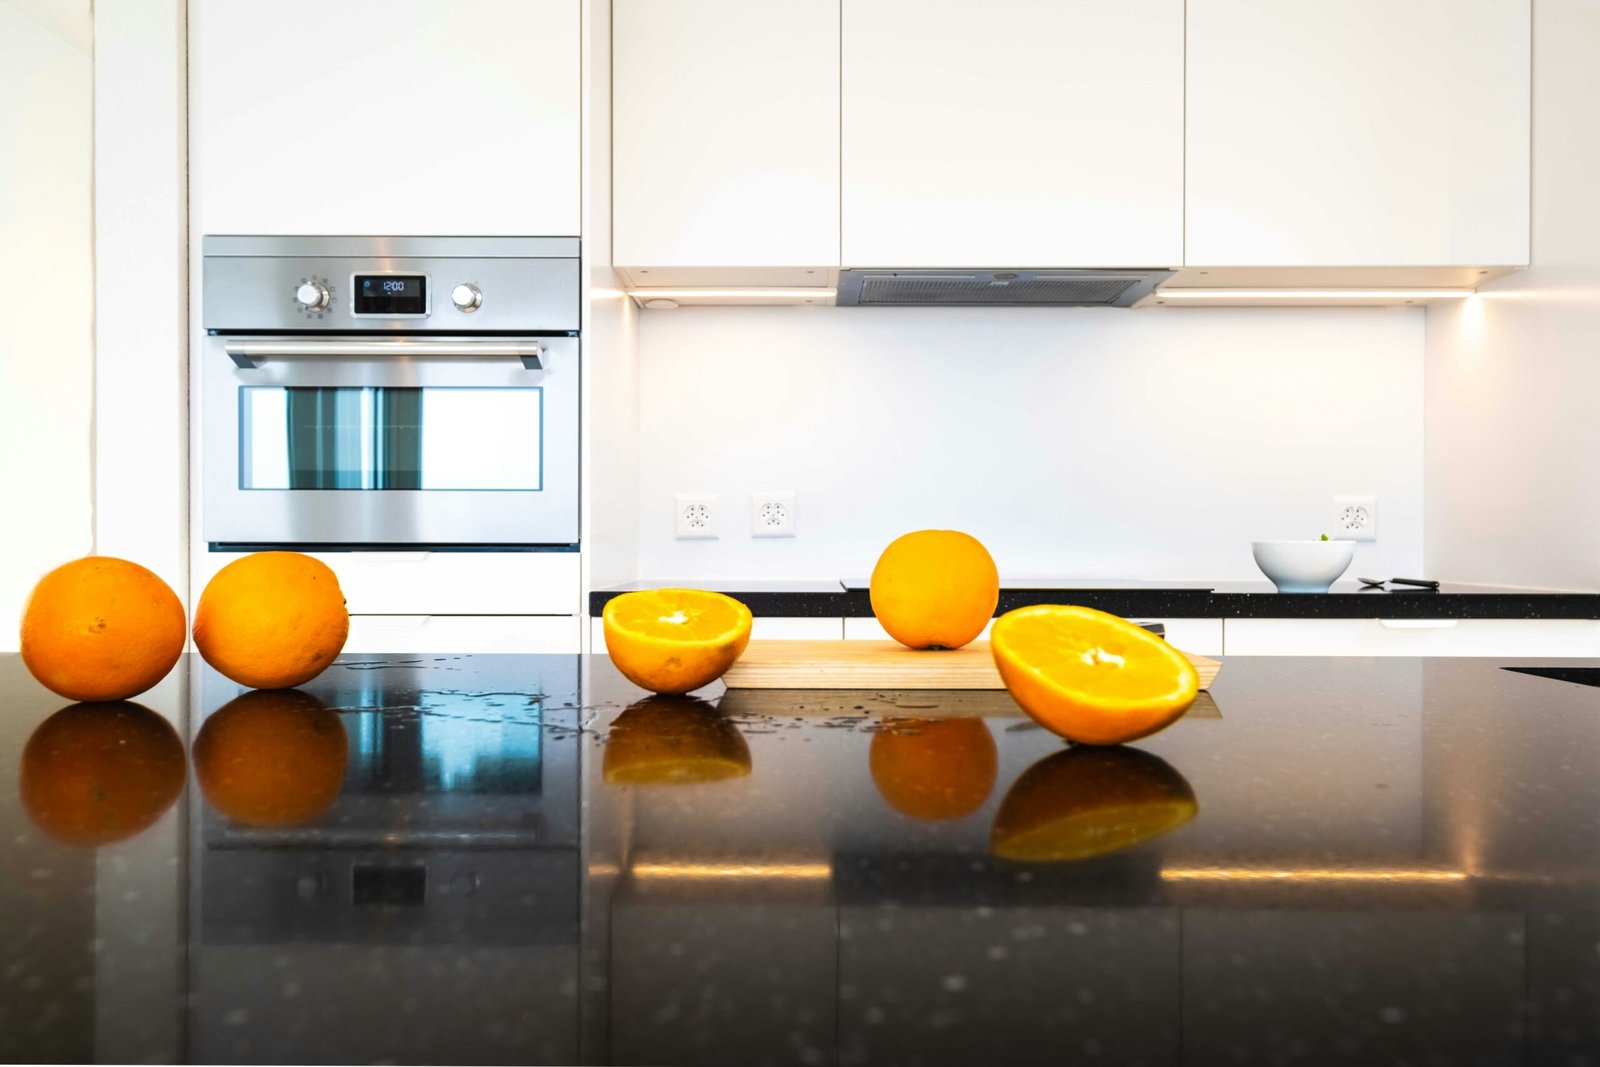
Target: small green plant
(1324, 537)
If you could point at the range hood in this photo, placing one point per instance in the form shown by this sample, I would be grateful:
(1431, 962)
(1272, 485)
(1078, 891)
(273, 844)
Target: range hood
(996, 288)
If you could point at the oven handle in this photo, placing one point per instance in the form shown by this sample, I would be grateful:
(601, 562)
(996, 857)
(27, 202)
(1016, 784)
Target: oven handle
(249, 354)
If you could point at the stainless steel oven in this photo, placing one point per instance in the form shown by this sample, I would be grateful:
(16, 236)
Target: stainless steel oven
(390, 392)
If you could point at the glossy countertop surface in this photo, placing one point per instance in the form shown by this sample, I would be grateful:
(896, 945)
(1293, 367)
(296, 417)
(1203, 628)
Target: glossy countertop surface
(1145, 598)
(505, 859)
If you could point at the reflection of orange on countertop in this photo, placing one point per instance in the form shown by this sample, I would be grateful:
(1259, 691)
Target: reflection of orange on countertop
(96, 773)
(1089, 801)
(271, 757)
(934, 768)
(674, 740)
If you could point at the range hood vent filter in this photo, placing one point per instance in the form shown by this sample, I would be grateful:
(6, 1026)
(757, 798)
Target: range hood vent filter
(996, 288)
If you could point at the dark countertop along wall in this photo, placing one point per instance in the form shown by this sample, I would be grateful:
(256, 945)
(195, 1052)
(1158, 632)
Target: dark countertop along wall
(1326, 861)
(1180, 600)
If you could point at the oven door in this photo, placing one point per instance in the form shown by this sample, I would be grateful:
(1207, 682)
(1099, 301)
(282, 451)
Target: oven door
(390, 442)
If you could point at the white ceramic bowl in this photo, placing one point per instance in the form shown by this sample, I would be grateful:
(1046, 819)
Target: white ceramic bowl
(1303, 566)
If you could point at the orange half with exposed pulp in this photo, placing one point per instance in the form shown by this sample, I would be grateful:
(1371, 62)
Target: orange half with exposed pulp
(675, 640)
(1089, 676)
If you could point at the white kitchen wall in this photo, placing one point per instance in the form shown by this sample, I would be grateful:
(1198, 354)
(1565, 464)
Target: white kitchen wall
(1105, 442)
(1512, 440)
(46, 265)
(141, 314)
(610, 340)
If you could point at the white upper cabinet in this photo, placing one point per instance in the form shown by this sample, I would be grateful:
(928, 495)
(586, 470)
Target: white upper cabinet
(725, 135)
(1012, 133)
(1358, 132)
(385, 117)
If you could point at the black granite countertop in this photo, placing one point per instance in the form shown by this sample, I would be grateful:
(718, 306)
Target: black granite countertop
(451, 859)
(826, 598)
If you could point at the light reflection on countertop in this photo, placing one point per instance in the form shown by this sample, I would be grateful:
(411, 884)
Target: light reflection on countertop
(1385, 859)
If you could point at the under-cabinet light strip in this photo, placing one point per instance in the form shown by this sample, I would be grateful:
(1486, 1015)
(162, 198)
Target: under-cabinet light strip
(1312, 294)
(682, 294)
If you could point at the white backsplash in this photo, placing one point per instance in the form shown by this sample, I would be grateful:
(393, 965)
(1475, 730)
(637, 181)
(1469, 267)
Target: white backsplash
(1085, 442)
(1513, 446)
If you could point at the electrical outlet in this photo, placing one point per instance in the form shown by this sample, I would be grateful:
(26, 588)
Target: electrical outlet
(696, 516)
(1355, 518)
(772, 514)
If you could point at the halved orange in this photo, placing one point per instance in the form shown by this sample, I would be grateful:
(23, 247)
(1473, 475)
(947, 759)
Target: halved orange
(1088, 802)
(674, 740)
(1089, 676)
(675, 640)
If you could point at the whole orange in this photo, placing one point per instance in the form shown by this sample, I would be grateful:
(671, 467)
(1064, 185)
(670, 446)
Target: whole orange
(272, 620)
(674, 640)
(274, 757)
(934, 768)
(96, 773)
(935, 588)
(101, 628)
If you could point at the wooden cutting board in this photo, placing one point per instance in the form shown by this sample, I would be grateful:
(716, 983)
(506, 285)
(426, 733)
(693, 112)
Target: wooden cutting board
(879, 665)
(847, 705)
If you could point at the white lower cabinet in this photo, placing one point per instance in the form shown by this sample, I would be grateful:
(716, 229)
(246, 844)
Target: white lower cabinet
(1411, 637)
(449, 602)
(1203, 637)
(797, 629)
(1200, 636)
(459, 634)
(870, 629)
(443, 583)
(762, 629)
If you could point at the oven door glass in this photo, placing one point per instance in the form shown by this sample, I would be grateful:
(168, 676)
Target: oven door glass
(337, 437)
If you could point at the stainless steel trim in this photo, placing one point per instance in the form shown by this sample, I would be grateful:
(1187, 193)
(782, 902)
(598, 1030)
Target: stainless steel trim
(249, 353)
(427, 294)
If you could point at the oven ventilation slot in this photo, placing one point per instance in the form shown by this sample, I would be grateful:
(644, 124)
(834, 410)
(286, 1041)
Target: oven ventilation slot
(995, 288)
(249, 353)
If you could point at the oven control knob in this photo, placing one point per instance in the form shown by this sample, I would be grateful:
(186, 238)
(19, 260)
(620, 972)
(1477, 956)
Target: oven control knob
(313, 296)
(467, 297)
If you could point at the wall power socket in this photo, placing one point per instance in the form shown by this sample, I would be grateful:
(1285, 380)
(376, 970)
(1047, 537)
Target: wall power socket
(1355, 518)
(696, 516)
(772, 514)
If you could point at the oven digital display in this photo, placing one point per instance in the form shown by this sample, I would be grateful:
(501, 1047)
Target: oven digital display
(391, 294)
